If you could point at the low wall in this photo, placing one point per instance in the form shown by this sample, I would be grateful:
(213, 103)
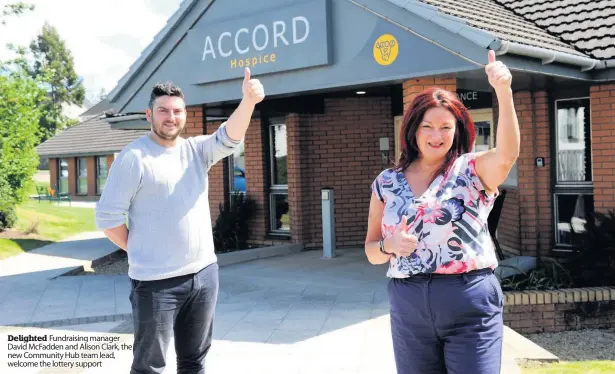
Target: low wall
(562, 310)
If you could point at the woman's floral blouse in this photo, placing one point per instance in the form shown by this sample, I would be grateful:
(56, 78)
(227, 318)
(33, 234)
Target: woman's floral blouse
(449, 220)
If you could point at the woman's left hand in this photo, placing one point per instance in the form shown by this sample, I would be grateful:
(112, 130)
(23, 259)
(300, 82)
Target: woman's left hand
(499, 75)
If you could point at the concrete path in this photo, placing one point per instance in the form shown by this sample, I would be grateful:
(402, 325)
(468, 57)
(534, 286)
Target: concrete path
(55, 259)
(292, 314)
(30, 290)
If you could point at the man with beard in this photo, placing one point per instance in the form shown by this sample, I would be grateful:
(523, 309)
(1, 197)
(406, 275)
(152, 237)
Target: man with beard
(160, 182)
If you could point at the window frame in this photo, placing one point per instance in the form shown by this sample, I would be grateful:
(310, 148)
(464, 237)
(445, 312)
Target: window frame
(276, 189)
(59, 175)
(568, 187)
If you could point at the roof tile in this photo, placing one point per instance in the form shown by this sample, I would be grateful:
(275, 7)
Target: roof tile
(88, 137)
(503, 23)
(588, 25)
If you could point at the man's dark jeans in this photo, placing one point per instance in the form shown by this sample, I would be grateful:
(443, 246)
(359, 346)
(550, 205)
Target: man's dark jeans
(182, 307)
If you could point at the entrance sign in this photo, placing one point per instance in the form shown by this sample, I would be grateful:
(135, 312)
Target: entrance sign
(288, 38)
(475, 99)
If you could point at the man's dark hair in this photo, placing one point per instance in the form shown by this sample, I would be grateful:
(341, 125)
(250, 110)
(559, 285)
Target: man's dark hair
(164, 89)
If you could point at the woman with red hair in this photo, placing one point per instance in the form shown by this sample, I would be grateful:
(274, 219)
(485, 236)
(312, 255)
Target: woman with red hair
(428, 220)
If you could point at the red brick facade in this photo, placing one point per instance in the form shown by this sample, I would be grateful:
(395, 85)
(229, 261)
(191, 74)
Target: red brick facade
(509, 227)
(341, 151)
(534, 183)
(415, 86)
(256, 180)
(603, 149)
(338, 149)
(215, 176)
(296, 127)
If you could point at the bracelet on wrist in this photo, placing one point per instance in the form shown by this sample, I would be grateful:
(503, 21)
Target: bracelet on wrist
(381, 243)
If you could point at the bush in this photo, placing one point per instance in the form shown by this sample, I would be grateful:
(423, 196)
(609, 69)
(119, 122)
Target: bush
(8, 217)
(593, 264)
(231, 230)
(548, 275)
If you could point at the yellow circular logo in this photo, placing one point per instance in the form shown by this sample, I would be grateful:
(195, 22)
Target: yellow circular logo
(386, 48)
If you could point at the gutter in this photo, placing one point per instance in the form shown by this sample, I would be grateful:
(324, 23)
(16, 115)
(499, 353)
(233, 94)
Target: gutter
(549, 56)
(129, 117)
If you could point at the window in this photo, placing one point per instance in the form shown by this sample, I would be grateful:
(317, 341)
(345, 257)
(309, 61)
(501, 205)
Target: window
(82, 177)
(571, 212)
(278, 192)
(237, 162)
(573, 198)
(101, 173)
(572, 145)
(62, 176)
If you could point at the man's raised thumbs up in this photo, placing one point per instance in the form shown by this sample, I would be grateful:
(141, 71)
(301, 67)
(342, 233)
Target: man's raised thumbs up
(498, 74)
(252, 89)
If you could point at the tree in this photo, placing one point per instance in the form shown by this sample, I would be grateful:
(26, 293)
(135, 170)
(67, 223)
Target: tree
(14, 10)
(49, 60)
(19, 119)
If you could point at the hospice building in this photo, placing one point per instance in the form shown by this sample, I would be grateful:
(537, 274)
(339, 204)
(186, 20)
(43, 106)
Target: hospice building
(338, 75)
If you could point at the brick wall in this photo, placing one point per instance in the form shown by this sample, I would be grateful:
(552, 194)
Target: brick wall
(509, 232)
(341, 150)
(194, 122)
(216, 179)
(509, 225)
(413, 87)
(562, 310)
(534, 197)
(296, 127)
(320, 154)
(257, 180)
(603, 153)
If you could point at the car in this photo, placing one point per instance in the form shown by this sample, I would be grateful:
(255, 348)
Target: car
(239, 181)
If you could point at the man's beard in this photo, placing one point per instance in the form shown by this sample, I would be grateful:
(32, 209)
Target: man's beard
(157, 131)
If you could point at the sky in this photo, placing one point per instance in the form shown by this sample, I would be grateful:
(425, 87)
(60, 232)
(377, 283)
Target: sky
(104, 36)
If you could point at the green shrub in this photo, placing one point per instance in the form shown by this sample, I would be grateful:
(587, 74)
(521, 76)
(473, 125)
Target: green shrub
(8, 217)
(548, 275)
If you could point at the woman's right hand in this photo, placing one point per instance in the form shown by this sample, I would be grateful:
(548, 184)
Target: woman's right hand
(402, 244)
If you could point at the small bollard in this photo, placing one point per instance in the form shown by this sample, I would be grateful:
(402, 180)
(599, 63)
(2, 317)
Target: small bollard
(328, 223)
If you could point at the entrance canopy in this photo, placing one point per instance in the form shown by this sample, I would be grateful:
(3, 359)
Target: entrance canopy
(313, 45)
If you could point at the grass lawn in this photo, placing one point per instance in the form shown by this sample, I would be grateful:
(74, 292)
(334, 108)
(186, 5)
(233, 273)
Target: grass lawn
(577, 367)
(53, 223)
